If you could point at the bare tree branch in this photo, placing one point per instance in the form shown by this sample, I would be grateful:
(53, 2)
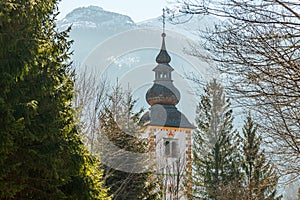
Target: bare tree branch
(256, 44)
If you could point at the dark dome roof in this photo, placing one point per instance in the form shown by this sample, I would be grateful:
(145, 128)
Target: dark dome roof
(163, 94)
(166, 116)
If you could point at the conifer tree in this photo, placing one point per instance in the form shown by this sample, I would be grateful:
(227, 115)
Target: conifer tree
(215, 143)
(120, 124)
(41, 155)
(260, 177)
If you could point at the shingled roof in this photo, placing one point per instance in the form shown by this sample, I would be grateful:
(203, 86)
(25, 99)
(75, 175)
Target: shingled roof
(168, 115)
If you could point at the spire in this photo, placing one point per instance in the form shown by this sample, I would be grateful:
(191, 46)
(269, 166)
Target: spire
(163, 56)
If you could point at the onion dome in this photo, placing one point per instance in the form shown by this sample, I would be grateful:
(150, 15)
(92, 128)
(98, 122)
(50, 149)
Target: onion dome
(163, 94)
(163, 56)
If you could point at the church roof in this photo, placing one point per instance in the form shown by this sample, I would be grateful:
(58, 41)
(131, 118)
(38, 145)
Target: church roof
(166, 116)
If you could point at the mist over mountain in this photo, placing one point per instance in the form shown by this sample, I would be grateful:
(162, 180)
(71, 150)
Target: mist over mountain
(92, 25)
(126, 51)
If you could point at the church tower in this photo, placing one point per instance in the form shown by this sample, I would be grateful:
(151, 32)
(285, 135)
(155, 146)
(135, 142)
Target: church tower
(169, 131)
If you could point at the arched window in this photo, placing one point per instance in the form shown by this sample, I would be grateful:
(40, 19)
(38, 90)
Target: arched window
(171, 147)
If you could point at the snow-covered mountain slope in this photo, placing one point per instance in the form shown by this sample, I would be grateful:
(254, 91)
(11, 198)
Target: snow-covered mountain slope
(94, 17)
(92, 25)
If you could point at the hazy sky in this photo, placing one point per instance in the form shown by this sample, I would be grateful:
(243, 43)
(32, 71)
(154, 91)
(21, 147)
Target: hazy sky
(138, 10)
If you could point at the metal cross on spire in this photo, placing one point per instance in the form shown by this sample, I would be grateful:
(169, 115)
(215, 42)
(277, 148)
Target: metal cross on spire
(164, 17)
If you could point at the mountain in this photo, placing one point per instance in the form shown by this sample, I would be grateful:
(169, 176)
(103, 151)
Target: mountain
(94, 17)
(92, 25)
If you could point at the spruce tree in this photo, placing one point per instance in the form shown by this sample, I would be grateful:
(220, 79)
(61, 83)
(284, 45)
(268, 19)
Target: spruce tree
(120, 124)
(260, 177)
(215, 147)
(41, 155)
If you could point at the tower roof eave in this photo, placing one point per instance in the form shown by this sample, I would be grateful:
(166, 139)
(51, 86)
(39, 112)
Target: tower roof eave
(163, 67)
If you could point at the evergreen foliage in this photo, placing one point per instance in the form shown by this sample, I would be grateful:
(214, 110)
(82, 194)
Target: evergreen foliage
(216, 172)
(41, 155)
(120, 124)
(260, 177)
